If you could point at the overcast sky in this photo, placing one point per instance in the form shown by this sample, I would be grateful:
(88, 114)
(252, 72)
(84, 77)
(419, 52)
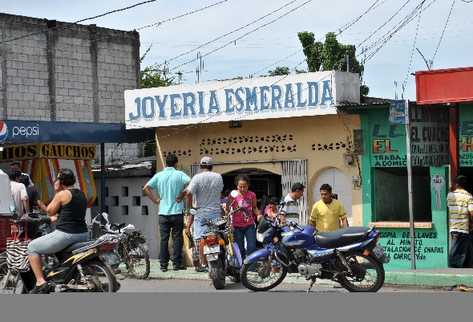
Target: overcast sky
(278, 40)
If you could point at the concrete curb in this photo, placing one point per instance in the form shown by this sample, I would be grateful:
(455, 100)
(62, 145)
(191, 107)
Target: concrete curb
(426, 279)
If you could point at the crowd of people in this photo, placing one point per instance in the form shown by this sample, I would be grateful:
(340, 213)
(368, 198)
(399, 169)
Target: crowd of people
(175, 193)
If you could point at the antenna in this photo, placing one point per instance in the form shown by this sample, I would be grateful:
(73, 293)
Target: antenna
(428, 63)
(200, 67)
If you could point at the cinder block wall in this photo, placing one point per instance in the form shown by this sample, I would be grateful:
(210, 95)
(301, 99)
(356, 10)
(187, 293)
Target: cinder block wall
(67, 72)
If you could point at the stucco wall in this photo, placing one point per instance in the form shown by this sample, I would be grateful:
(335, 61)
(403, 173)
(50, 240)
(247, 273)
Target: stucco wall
(322, 140)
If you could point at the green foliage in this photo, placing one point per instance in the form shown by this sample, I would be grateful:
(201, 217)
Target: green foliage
(153, 76)
(330, 55)
(280, 70)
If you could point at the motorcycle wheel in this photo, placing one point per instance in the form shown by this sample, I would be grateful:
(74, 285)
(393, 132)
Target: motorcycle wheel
(217, 274)
(101, 277)
(138, 263)
(260, 276)
(363, 267)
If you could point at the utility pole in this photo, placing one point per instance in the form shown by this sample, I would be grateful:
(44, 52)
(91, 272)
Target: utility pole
(200, 67)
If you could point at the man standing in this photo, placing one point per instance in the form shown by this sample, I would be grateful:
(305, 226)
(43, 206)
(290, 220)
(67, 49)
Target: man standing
(205, 188)
(290, 202)
(163, 189)
(19, 193)
(15, 166)
(460, 211)
(328, 213)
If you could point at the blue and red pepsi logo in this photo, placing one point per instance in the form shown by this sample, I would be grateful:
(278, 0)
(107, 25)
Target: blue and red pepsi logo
(3, 131)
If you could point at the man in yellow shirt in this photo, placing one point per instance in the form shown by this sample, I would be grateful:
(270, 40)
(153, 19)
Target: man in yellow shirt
(328, 214)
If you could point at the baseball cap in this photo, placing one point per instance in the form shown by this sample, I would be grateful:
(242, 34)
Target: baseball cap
(206, 161)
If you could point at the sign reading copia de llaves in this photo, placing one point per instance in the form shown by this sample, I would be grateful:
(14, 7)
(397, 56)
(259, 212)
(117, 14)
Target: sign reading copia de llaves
(305, 94)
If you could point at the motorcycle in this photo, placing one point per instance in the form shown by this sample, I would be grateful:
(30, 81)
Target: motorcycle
(221, 251)
(349, 256)
(78, 268)
(131, 249)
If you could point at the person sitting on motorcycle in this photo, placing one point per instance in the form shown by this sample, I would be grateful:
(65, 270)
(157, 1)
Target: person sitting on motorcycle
(67, 210)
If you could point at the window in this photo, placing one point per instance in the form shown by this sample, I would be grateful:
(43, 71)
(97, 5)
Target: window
(115, 201)
(144, 210)
(125, 210)
(124, 191)
(136, 201)
(390, 194)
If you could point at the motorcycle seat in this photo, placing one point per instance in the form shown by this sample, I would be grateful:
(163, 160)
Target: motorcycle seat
(342, 237)
(75, 246)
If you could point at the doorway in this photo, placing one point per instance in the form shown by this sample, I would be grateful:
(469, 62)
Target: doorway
(263, 183)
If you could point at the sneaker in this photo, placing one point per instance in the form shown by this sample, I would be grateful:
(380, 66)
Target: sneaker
(164, 269)
(201, 269)
(41, 289)
(179, 268)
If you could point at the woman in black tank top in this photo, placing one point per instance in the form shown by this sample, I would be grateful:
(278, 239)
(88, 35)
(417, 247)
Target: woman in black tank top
(67, 210)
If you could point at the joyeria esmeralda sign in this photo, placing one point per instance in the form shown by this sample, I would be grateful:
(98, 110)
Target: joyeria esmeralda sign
(49, 151)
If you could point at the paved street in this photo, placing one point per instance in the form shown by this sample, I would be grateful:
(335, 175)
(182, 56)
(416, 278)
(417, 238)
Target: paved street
(198, 286)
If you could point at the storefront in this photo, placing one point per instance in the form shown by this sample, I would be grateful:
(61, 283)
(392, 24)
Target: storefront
(278, 130)
(42, 148)
(385, 182)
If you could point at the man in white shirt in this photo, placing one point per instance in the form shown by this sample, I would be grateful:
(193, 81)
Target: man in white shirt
(19, 194)
(290, 202)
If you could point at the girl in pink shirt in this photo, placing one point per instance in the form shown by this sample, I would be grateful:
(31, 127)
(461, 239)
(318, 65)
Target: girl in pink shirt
(244, 221)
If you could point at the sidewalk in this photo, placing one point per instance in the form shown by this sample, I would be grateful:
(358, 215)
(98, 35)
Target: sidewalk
(420, 278)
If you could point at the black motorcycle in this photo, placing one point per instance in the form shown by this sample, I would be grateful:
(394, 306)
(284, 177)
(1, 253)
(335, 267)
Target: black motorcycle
(78, 268)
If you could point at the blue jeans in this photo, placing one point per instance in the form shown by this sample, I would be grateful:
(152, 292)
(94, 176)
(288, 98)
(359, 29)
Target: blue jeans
(248, 233)
(55, 242)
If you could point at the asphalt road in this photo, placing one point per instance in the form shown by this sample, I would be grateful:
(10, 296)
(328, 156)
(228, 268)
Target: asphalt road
(201, 286)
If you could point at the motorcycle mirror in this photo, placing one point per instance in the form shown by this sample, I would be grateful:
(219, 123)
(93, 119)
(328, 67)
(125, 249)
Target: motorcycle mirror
(234, 193)
(105, 216)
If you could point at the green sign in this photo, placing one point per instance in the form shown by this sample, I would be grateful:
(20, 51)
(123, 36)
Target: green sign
(465, 139)
(429, 139)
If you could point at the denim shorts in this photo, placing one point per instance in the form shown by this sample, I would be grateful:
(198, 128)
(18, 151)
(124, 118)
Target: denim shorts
(55, 242)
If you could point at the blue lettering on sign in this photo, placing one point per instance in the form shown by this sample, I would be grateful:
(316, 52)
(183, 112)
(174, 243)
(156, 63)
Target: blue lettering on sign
(175, 111)
(229, 101)
(264, 90)
(276, 92)
(240, 101)
(201, 103)
(213, 104)
(265, 98)
(161, 105)
(300, 90)
(313, 93)
(289, 99)
(148, 113)
(326, 93)
(189, 103)
(136, 116)
(251, 99)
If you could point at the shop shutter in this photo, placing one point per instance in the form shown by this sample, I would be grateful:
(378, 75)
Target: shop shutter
(295, 171)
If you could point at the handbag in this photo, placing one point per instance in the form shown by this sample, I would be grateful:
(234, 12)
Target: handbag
(17, 252)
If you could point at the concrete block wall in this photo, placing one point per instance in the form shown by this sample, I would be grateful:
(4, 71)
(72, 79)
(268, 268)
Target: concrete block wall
(67, 72)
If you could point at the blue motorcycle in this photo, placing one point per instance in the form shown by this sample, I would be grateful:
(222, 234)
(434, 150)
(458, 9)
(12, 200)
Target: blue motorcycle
(349, 256)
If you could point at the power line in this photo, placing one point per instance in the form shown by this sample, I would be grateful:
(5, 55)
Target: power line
(378, 44)
(231, 32)
(373, 6)
(384, 24)
(81, 20)
(411, 59)
(159, 23)
(443, 31)
(244, 35)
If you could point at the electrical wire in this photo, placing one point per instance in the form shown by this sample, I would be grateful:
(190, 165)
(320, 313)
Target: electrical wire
(443, 32)
(159, 23)
(231, 32)
(411, 59)
(81, 20)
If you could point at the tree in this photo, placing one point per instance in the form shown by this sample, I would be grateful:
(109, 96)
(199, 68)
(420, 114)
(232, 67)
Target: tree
(331, 55)
(280, 70)
(154, 76)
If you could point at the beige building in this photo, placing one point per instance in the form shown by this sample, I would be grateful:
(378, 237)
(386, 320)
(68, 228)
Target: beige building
(275, 153)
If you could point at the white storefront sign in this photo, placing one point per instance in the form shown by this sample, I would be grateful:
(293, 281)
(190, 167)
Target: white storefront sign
(306, 94)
